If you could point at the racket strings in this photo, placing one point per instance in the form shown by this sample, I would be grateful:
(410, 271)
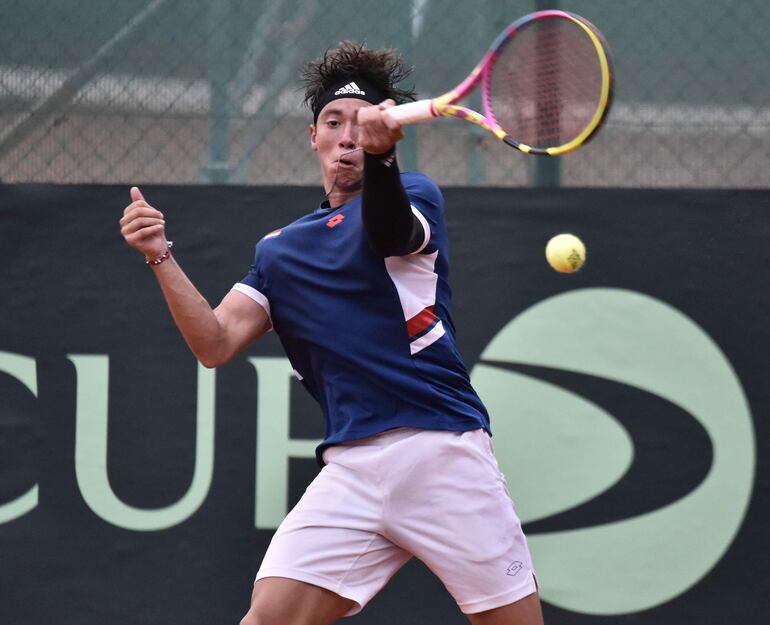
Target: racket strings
(545, 87)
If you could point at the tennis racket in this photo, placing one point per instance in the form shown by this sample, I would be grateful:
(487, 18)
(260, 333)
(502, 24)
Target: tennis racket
(546, 86)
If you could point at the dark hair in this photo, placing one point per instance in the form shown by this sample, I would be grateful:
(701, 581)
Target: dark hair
(384, 68)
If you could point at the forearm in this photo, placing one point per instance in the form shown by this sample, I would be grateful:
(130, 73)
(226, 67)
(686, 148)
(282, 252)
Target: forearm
(214, 336)
(391, 227)
(197, 322)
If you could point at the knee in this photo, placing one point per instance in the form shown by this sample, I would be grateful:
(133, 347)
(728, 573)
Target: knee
(252, 618)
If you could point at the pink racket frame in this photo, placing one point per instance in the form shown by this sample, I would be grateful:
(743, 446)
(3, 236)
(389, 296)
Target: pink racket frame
(446, 105)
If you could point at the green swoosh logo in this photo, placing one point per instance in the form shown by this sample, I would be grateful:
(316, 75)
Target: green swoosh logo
(560, 450)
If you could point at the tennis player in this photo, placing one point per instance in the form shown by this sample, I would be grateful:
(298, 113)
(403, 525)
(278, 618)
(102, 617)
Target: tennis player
(358, 294)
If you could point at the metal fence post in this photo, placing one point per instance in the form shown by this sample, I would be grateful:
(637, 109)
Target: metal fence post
(217, 168)
(407, 148)
(546, 170)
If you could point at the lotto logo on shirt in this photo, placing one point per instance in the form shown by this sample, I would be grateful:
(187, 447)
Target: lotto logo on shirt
(335, 221)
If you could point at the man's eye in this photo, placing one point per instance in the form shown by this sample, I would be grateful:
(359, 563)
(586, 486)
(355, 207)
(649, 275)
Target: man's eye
(332, 123)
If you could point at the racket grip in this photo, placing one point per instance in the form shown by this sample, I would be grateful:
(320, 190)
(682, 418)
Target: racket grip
(413, 112)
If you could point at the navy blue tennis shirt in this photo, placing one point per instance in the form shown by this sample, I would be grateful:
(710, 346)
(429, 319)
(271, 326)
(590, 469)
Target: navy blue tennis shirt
(370, 338)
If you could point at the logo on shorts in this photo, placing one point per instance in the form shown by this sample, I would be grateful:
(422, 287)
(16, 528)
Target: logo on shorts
(514, 568)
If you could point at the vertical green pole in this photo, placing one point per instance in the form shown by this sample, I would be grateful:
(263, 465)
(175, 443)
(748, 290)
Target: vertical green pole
(407, 147)
(216, 170)
(546, 170)
(475, 20)
(477, 174)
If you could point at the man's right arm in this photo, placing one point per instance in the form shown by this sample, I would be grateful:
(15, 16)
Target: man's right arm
(214, 336)
(391, 226)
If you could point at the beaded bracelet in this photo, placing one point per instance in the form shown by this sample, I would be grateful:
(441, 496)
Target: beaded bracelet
(162, 257)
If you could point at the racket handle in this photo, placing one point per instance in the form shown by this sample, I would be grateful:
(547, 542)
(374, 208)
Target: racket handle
(413, 112)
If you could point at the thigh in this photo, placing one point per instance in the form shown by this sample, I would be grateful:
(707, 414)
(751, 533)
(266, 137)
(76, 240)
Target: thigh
(453, 511)
(277, 601)
(333, 538)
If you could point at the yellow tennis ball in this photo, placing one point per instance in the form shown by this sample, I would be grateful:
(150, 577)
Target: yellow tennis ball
(565, 253)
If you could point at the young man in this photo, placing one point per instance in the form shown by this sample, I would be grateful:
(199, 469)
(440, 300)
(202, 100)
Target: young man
(357, 292)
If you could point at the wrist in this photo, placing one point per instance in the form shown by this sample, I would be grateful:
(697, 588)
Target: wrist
(157, 260)
(388, 159)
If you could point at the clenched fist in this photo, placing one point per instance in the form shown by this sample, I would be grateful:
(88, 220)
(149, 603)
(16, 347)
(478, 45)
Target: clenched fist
(378, 132)
(143, 227)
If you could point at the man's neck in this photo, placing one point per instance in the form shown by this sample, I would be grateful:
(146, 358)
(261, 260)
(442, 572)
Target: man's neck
(338, 198)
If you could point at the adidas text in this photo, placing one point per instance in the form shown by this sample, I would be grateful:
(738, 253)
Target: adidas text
(351, 87)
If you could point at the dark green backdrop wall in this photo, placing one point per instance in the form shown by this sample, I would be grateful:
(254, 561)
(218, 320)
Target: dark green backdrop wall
(636, 391)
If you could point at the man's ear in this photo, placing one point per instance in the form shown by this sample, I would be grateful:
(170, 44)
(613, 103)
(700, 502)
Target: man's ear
(313, 143)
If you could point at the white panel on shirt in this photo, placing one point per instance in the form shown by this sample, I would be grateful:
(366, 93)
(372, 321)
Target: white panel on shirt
(427, 339)
(425, 227)
(415, 279)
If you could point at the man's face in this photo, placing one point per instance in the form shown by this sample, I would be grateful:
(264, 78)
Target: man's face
(333, 138)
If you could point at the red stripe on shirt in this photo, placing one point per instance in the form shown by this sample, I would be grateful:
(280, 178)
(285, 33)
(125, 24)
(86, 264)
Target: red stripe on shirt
(420, 321)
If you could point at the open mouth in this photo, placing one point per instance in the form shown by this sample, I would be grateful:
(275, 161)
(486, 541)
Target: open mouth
(348, 159)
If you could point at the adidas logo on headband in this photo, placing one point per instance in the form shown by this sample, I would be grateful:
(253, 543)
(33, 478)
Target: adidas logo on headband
(351, 87)
(348, 87)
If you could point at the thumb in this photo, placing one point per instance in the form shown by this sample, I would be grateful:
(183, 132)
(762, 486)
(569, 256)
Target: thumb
(136, 194)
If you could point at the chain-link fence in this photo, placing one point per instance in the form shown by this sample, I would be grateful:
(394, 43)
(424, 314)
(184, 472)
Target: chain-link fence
(202, 91)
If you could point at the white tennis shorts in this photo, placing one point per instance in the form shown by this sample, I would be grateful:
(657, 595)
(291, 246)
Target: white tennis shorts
(436, 495)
